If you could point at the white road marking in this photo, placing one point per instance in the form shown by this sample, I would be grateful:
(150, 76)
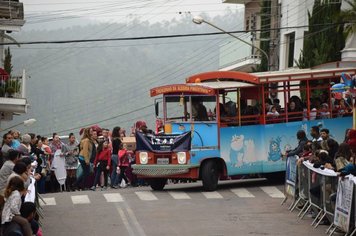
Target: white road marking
(135, 222)
(146, 196)
(179, 195)
(242, 192)
(273, 192)
(49, 201)
(125, 221)
(113, 197)
(80, 199)
(212, 195)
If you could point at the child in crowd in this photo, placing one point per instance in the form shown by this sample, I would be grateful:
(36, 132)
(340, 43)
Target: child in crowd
(102, 162)
(11, 212)
(124, 162)
(273, 113)
(306, 154)
(324, 112)
(28, 211)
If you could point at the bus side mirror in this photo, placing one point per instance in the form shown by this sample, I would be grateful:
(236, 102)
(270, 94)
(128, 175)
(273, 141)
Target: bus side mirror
(156, 109)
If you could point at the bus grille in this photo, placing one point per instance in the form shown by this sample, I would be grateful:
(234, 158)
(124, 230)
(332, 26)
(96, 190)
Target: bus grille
(159, 172)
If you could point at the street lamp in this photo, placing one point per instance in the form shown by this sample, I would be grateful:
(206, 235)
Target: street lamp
(28, 122)
(199, 20)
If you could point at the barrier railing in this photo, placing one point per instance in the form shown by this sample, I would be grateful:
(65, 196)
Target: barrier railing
(324, 193)
(290, 187)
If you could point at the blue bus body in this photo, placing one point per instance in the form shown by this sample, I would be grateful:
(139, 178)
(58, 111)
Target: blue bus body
(254, 148)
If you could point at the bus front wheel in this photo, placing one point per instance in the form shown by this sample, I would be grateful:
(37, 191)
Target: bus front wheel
(210, 176)
(157, 184)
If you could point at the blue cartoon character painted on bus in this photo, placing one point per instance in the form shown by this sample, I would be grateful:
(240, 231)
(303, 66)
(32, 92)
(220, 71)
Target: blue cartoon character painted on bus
(274, 153)
(237, 150)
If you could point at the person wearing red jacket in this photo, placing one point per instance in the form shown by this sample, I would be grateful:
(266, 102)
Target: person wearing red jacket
(102, 163)
(124, 162)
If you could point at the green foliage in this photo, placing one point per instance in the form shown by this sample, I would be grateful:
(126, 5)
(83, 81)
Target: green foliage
(318, 48)
(7, 61)
(12, 86)
(349, 16)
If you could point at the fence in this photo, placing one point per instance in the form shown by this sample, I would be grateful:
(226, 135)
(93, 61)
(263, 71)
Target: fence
(324, 193)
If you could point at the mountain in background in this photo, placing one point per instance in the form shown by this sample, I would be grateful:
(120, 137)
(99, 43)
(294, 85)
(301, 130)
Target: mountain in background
(107, 83)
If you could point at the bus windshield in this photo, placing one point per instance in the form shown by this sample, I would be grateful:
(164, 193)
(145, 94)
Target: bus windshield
(184, 108)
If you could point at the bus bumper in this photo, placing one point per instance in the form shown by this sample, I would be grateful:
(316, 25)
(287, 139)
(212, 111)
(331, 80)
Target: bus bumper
(167, 171)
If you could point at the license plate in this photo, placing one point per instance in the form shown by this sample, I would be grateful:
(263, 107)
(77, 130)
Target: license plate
(162, 161)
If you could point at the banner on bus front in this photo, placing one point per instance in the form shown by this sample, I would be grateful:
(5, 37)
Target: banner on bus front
(163, 142)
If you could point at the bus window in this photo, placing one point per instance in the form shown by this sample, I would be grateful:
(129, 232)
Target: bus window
(177, 108)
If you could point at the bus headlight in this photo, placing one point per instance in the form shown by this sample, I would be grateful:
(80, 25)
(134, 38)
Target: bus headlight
(182, 157)
(143, 158)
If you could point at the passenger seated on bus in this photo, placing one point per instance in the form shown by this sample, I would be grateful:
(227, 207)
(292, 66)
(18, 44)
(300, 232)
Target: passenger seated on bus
(276, 104)
(273, 114)
(268, 105)
(297, 112)
(199, 111)
(231, 109)
(222, 110)
(298, 102)
(324, 111)
(313, 113)
(341, 107)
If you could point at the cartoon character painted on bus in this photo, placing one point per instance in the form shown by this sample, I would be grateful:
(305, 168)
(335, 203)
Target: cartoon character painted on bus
(274, 153)
(242, 151)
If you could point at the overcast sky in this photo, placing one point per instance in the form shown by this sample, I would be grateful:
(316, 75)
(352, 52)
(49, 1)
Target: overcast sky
(38, 11)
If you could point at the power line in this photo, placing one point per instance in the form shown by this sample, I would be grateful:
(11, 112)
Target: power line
(159, 36)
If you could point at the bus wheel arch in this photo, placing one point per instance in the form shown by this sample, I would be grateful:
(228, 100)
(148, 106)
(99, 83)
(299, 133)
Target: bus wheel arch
(210, 172)
(157, 184)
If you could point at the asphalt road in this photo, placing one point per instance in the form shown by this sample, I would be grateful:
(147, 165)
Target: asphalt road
(236, 208)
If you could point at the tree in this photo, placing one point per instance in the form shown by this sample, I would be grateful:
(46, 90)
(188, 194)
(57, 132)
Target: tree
(318, 48)
(11, 86)
(349, 17)
(7, 61)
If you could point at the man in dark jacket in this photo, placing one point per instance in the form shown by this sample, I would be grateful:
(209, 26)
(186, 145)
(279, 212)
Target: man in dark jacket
(302, 140)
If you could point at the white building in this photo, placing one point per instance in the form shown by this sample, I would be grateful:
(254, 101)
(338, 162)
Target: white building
(11, 102)
(286, 45)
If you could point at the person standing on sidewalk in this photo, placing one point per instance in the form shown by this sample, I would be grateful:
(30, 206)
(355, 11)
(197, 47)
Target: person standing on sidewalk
(116, 142)
(102, 163)
(85, 151)
(124, 162)
(70, 151)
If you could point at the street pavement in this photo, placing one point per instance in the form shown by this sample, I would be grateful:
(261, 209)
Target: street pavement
(243, 207)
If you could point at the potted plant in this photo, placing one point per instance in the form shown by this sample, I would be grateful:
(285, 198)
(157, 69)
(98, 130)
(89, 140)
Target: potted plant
(10, 91)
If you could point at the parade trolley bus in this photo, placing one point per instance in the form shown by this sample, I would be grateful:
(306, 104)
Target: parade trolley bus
(216, 125)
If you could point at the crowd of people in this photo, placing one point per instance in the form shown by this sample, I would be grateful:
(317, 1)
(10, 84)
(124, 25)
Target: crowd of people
(319, 108)
(324, 152)
(99, 160)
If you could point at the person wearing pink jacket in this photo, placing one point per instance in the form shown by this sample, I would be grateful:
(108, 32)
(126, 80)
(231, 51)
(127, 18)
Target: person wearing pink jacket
(124, 162)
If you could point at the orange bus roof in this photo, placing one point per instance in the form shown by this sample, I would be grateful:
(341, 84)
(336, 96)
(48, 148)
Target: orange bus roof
(270, 76)
(223, 76)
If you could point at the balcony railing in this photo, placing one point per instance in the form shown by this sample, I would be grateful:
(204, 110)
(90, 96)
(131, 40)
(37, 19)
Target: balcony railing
(11, 10)
(11, 87)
